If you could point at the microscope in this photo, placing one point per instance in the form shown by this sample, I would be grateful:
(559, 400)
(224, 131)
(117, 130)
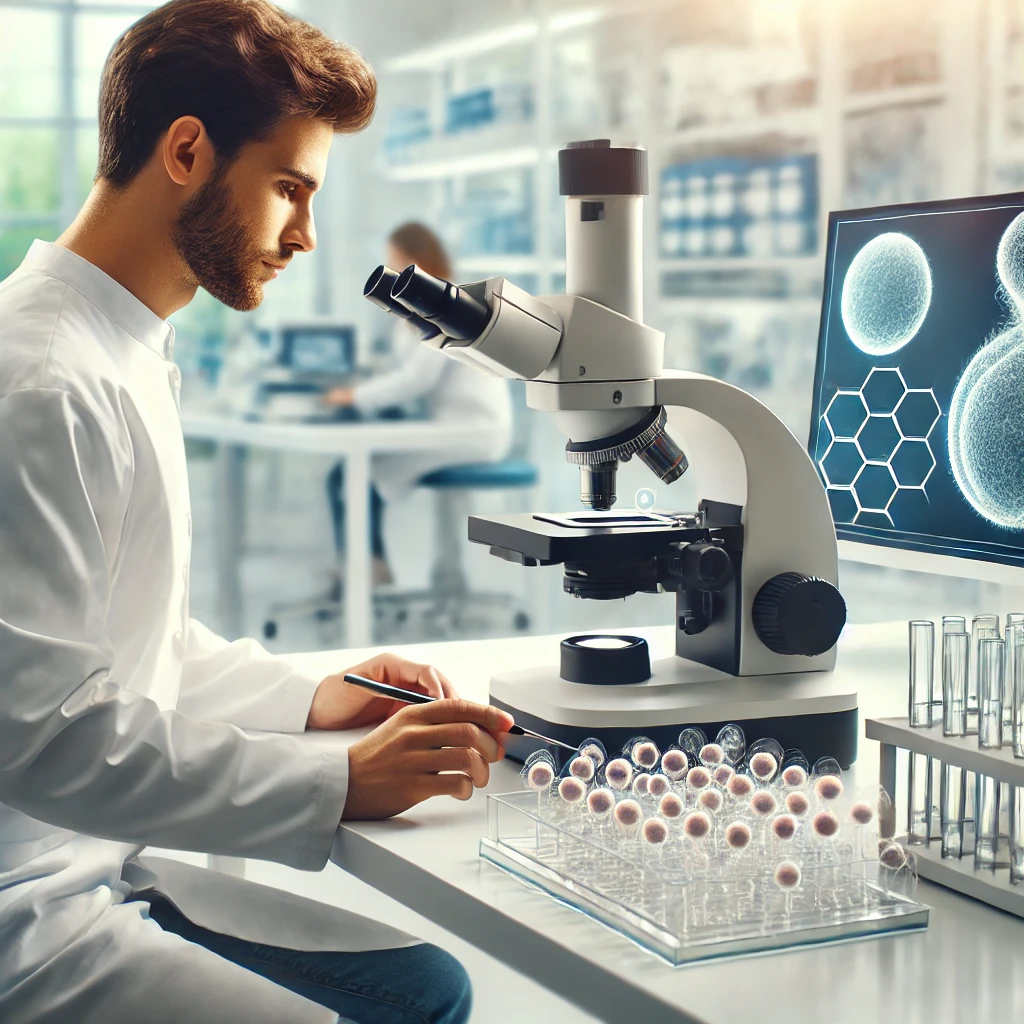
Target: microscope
(754, 567)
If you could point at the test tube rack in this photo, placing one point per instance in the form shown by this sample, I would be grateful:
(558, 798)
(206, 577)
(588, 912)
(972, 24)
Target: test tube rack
(893, 734)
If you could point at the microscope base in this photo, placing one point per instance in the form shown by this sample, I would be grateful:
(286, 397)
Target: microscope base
(814, 711)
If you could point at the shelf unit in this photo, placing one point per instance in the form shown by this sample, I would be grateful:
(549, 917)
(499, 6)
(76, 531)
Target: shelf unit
(818, 128)
(895, 734)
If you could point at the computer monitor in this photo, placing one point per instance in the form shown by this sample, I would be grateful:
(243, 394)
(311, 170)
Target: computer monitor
(318, 348)
(917, 424)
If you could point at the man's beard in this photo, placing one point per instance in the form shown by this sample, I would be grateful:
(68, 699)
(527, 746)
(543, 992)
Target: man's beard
(212, 240)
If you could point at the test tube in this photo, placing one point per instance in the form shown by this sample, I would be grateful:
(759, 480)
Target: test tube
(1016, 835)
(922, 672)
(986, 840)
(982, 627)
(951, 815)
(955, 653)
(1016, 697)
(954, 624)
(991, 659)
(1012, 634)
(919, 799)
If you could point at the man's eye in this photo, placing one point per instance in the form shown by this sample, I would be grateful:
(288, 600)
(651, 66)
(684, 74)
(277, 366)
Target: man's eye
(287, 188)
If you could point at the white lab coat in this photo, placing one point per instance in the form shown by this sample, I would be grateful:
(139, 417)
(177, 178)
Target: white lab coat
(454, 392)
(121, 720)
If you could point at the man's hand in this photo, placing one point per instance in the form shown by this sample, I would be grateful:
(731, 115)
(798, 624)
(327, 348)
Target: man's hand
(339, 705)
(339, 397)
(398, 764)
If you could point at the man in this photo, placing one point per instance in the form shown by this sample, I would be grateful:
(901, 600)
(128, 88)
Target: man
(121, 720)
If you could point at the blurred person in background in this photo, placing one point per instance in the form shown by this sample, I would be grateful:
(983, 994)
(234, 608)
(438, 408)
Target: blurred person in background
(452, 391)
(125, 723)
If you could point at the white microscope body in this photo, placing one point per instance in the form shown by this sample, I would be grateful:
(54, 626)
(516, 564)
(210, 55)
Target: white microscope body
(758, 649)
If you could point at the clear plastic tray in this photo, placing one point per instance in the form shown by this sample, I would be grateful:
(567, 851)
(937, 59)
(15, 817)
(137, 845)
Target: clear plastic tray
(683, 919)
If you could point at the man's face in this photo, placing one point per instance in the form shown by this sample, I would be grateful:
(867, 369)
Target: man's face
(243, 225)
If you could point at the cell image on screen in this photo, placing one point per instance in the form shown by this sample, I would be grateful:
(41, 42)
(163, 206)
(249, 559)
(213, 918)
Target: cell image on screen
(319, 350)
(917, 428)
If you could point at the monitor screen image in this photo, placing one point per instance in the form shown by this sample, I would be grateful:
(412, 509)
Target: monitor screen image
(917, 426)
(318, 349)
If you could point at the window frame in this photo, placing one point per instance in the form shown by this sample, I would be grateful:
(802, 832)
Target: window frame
(66, 123)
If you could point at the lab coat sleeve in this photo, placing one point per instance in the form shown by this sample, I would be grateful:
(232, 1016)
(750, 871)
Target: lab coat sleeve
(79, 751)
(418, 374)
(243, 684)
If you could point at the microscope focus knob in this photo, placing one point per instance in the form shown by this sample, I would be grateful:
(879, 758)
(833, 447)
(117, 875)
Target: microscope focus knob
(798, 614)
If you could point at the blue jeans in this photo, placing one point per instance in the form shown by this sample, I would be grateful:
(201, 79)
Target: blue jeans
(419, 984)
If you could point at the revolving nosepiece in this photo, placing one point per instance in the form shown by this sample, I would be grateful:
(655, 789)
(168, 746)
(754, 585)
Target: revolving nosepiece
(598, 460)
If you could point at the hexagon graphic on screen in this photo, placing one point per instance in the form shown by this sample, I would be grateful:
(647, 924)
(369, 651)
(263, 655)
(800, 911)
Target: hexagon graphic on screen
(886, 294)
(875, 445)
(986, 413)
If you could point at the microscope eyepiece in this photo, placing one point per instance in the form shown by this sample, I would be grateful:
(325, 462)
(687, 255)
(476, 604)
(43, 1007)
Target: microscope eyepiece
(456, 314)
(378, 290)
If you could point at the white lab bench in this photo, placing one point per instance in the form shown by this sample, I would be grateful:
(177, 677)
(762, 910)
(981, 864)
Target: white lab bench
(355, 444)
(967, 966)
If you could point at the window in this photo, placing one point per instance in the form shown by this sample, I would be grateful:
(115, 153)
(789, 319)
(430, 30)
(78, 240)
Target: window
(52, 53)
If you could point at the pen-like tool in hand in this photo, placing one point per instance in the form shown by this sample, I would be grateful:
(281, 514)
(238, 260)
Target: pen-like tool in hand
(411, 697)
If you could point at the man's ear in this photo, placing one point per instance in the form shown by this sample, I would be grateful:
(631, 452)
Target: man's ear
(187, 153)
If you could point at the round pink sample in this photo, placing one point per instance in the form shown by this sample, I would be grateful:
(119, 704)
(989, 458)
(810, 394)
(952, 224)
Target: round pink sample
(697, 825)
(540, 775)
(763, 803)
(600, 801)
(628, 813)
(655, 831)
(671, 806)
(698, 777)
(825, 824)
(619, 773)
(784, 826)
(571, 790)
(829, 787)
(763, 766)
(740, 786)
(787, 875)
(674, 764)
(737, 835)
(798, 804)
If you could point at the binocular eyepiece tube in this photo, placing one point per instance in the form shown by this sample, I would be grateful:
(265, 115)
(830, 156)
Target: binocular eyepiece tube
(429, 302)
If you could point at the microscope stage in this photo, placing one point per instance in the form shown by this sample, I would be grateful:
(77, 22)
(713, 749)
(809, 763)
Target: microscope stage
(815, 711)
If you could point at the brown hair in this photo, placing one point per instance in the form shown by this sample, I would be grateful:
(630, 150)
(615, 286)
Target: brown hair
(423, 247)
(239, 66)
